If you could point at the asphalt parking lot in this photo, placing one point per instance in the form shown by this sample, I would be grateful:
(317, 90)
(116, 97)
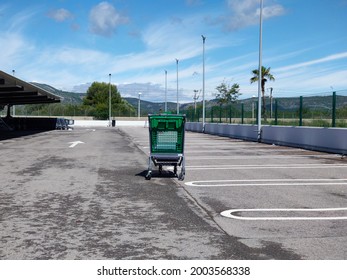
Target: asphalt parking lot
(284, 202)
(82, 194)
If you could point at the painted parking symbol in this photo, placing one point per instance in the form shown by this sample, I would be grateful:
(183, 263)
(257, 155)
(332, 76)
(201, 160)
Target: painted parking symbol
(278, 214)
(285, 214)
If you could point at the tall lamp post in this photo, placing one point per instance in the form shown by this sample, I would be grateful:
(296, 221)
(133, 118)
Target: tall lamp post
(178, 106)
(203, 82)
(14, 107)
(109, 102)
(139, 106)
(260, 75)
(165, 91)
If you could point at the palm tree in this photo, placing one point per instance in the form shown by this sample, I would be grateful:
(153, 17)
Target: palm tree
(266, 75)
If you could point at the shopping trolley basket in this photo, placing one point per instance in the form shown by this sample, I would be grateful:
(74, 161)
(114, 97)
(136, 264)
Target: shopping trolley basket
(166, 140)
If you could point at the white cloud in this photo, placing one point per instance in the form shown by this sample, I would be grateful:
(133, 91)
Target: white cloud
(74, 57)
(16, 51)
(335, 79)
(163, 41)
(193, 2)
(104, 19)
(168, 35)
(60, 15)
(313, 62)
(312, 80)
(243, 13)
(310, 77)
(272, 11)
(21, 20)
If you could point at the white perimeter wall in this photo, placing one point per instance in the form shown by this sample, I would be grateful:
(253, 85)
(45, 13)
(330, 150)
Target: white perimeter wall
(96, 123)
(333, 140)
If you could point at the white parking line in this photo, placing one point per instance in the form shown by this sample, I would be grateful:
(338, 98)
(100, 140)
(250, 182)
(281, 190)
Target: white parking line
(291, 156)
(267, 182)
(193, 150)
(269, 166)
(230, 214)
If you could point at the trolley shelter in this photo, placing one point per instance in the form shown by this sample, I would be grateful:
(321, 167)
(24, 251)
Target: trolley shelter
(166, 139)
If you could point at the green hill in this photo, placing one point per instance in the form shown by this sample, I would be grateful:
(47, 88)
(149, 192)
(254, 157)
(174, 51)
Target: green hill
(148, 107)
(284, 103)
(67, 97)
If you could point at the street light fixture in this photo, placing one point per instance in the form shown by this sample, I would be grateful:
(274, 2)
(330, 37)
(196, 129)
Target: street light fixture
(139, 106)
(178, 106)
(203, 82)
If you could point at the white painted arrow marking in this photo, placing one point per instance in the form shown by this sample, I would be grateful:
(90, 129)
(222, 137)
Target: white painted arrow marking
(75, 143)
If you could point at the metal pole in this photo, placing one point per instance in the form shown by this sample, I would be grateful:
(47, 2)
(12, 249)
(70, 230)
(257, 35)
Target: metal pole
(139, 107)
(242, 113)
(260, 68)
(109, 101)
(196, 97)
(333, 113)
(301, 111)
(14, 107)
(271, 89)
(276, 112)
(178, 106)
(203, 82)
(165, 91)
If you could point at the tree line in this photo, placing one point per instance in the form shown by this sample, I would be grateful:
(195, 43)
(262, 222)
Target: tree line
(96, 101)
(228, 94)
(95, 104)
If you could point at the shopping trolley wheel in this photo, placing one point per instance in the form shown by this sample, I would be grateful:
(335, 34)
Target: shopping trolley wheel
(181, 176)
(148, 175)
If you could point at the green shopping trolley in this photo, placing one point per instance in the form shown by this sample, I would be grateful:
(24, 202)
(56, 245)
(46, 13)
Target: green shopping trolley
(166, 139)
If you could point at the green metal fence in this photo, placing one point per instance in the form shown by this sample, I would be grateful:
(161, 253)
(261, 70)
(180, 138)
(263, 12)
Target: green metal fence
(320, 110)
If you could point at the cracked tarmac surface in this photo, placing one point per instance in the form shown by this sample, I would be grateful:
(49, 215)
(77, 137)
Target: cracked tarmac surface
(92, 202)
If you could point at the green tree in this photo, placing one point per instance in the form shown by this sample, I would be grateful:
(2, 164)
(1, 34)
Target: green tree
(266, 75)
(227, 94)
(96, 101)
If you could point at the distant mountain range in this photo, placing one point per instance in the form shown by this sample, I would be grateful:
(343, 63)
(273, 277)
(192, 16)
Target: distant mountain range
(147, 106)
(67, 97)
(284, 103)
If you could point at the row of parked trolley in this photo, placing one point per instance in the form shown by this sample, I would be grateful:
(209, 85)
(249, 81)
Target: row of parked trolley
(64, 124)
(10, 123)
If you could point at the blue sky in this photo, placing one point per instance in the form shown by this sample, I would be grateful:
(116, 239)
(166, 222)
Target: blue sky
(69, 44)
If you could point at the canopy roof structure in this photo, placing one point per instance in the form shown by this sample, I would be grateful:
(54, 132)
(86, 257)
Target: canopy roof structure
(14, 91)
